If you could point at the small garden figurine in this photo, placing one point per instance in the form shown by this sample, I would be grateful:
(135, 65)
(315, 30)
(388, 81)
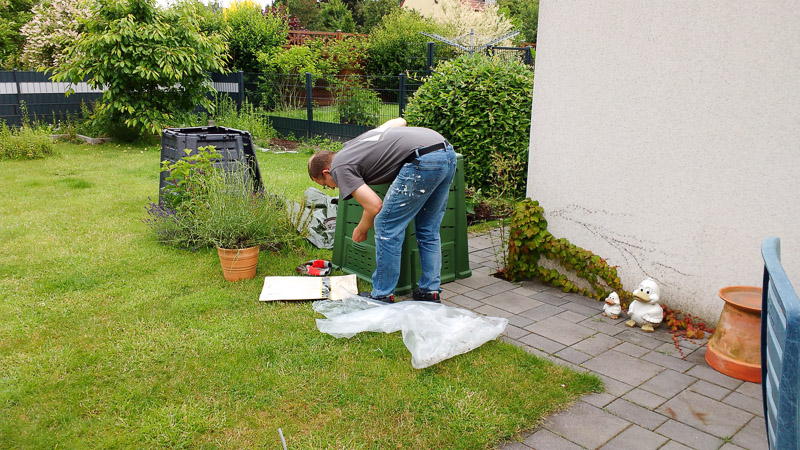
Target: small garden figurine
(644, 310)
(612, 307)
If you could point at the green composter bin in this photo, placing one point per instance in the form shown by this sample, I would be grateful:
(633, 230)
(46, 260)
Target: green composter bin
(359, 257)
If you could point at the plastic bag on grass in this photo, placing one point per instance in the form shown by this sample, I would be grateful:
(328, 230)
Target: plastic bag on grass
(432, 332)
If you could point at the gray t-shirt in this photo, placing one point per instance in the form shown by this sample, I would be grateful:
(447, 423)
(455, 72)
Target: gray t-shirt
(376, 157)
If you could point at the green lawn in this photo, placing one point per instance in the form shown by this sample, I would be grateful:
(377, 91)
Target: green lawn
(329, 113)
(108, 339)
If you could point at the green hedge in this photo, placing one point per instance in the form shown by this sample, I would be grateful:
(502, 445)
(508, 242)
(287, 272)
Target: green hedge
(482, 106)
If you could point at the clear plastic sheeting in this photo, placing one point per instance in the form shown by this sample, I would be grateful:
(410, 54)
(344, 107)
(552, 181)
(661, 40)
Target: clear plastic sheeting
(432, 332)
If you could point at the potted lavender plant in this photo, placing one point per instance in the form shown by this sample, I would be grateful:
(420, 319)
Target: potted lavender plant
(239, 222)
(204, 206)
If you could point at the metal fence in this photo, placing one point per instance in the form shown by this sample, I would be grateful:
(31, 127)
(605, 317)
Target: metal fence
(29, 95)
(336, 106)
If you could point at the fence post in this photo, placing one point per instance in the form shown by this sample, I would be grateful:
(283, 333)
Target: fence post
(402, 94)
(529, 57)
(430, 58)
(19, 98)
(240, 82)
(309, 103)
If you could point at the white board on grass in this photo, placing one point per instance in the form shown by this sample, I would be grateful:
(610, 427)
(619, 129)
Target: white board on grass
(307, 288)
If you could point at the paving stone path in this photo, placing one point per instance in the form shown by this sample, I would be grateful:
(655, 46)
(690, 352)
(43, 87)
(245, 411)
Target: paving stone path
(653, 398)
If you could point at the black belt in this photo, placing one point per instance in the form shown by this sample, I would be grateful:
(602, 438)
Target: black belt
(424, 151)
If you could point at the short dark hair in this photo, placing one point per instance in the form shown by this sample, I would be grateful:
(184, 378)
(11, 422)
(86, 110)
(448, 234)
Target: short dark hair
(320, 161)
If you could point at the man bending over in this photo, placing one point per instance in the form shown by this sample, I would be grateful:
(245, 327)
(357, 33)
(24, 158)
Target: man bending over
(420, 164)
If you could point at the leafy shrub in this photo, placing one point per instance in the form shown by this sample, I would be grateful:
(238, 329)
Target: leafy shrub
(186, 188)
(283, 81)
(306, 11)
(482, 106)
(251, 33)
(13, 15)
(396, 44)
(334, 16)
(342, 54)
(370, 12)
(25, 142)
(358, 105)
(80, 123)
(282, 12)
(151, 62)
(524, 14)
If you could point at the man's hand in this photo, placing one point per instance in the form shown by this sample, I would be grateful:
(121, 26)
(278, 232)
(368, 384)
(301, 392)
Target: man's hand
(359, 235)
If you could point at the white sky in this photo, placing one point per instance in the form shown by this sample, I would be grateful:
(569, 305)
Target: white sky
(223, 3)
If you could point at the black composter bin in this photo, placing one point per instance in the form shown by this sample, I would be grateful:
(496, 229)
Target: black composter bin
(235, 146)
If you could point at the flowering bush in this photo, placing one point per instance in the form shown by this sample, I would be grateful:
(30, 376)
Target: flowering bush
(54, 26)
(489, 22)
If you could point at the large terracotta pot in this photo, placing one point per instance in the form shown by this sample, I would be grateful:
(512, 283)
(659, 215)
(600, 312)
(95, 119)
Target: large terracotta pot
(238, 264)
(735, 347)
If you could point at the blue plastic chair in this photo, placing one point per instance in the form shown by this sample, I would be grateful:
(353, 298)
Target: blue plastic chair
(780, 351)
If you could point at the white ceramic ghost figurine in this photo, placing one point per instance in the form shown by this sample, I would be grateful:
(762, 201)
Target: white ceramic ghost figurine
(612, 307)
(645, 310)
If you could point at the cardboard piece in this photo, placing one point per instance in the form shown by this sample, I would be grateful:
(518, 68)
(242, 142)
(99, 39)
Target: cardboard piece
(308, 288)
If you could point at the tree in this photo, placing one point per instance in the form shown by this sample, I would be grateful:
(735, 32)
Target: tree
(252, 32)
(282, 12)
(152, 63)
(524, 14)
(305, 10)
(396, 44)
(13, 14)
(370, 12)
(334, 16)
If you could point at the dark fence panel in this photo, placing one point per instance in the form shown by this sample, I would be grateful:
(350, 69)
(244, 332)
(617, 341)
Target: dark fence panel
(43, 99)
(336, 106)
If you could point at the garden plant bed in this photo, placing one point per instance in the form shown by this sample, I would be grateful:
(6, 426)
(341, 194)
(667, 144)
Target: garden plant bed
(113, 340)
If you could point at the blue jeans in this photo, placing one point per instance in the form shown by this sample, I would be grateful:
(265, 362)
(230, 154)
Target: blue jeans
(419, 192)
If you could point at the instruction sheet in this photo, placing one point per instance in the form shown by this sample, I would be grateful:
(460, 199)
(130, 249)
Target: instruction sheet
(308, 288)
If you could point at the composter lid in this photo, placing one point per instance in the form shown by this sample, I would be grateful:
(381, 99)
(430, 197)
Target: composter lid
(745, 297)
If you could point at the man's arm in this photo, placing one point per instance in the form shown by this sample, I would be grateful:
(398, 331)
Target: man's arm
(372, 204)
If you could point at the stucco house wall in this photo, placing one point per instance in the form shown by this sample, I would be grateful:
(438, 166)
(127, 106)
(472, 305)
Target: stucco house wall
(666, 138)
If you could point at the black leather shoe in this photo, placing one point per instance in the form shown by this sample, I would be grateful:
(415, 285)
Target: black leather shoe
(426, 296)
(387, 299)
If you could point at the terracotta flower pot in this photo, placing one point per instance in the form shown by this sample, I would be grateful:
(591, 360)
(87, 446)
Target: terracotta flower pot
(238, 264)
(735, 347)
